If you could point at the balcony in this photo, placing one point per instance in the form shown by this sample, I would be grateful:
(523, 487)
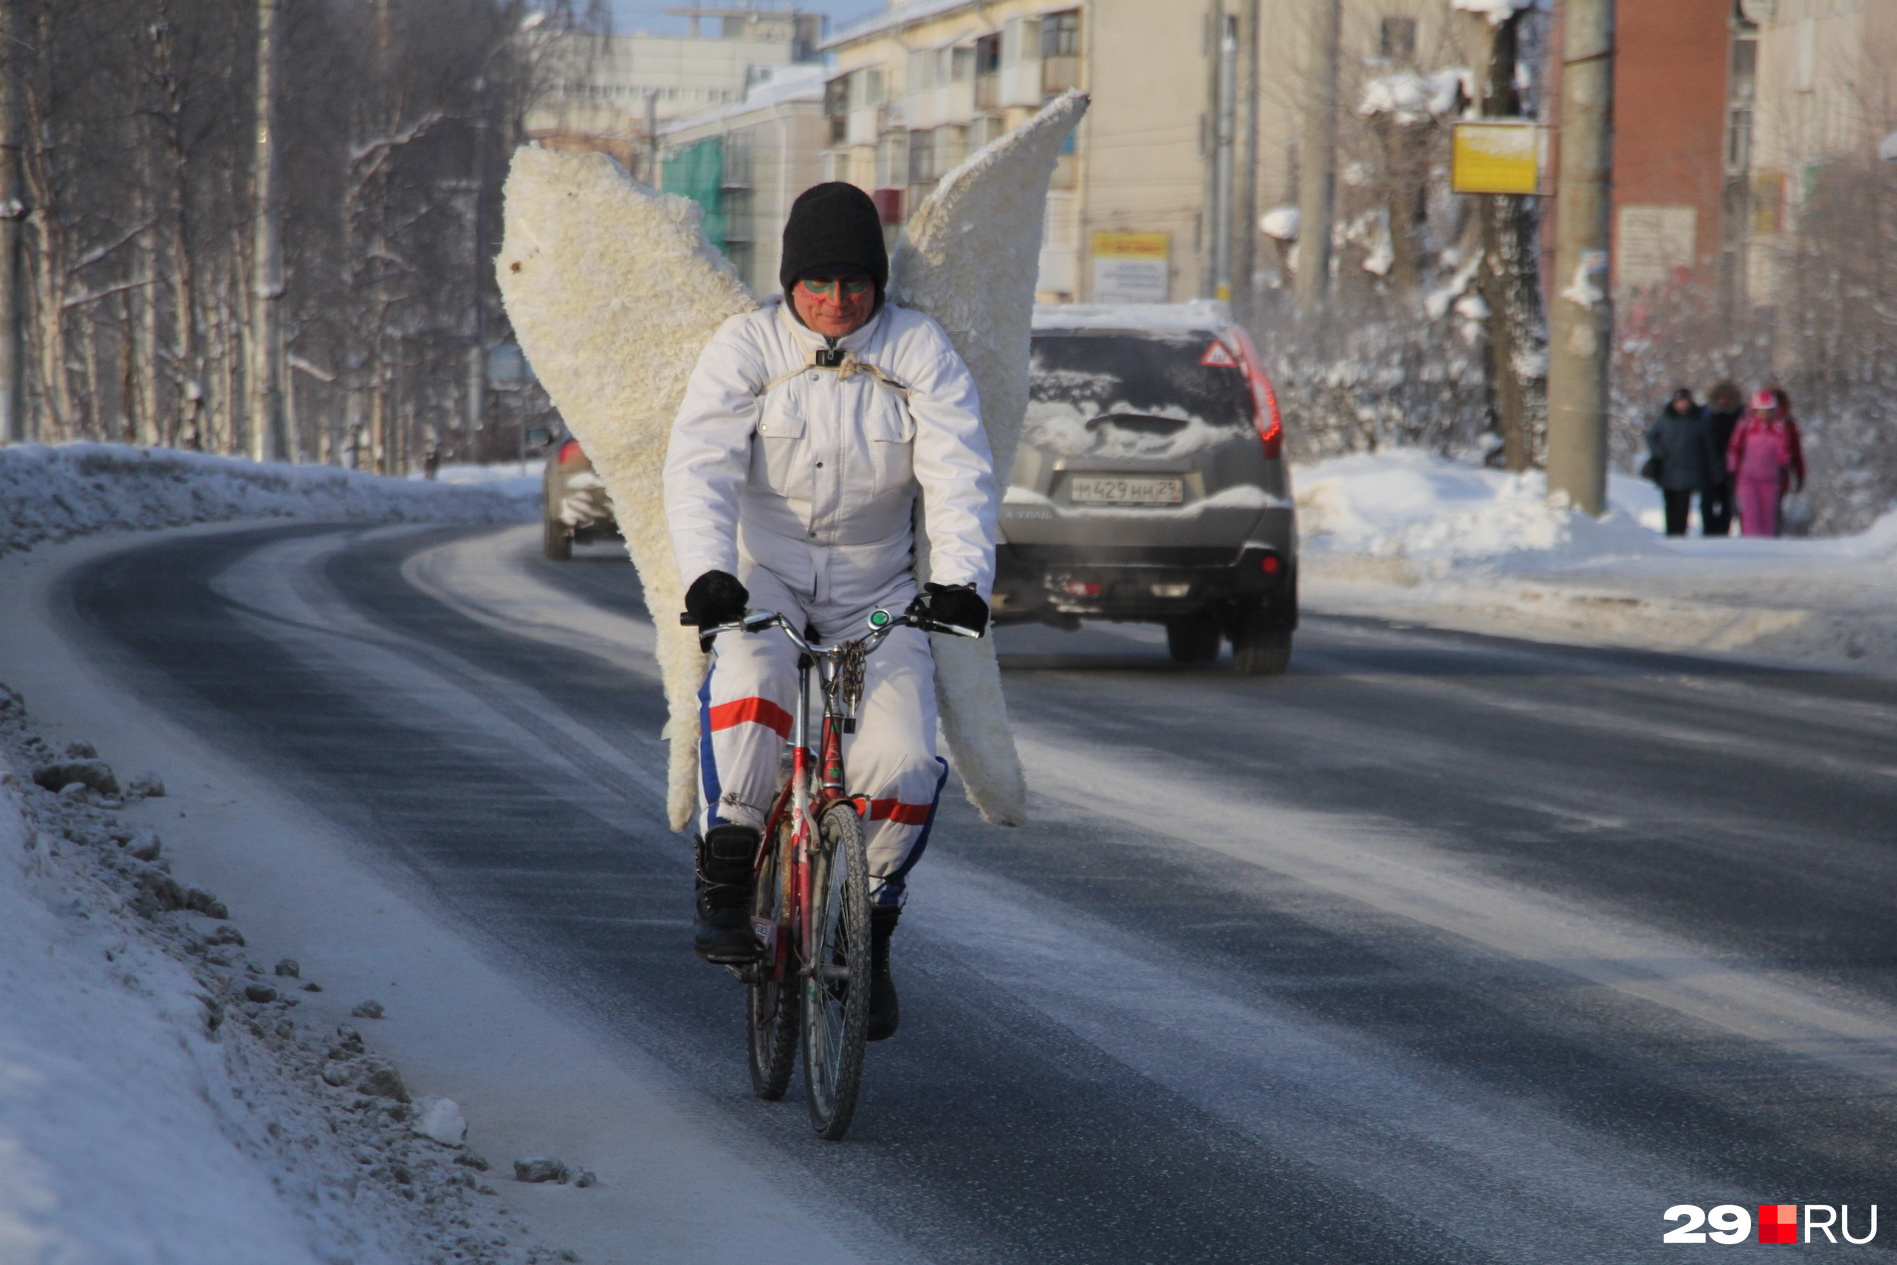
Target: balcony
(1058, 74)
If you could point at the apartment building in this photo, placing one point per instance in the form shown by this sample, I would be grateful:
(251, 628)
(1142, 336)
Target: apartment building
(1726, 112)
(1822, 76)
(612, 92)
(745, 163)
(916, 89)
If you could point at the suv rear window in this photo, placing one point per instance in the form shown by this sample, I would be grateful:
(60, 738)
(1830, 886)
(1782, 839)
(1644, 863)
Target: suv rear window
(1080, 383)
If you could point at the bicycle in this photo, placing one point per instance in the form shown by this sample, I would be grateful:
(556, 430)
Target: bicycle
(810, 905)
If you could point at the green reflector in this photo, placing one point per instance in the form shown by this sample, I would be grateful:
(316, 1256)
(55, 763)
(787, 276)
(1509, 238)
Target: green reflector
(878, 618)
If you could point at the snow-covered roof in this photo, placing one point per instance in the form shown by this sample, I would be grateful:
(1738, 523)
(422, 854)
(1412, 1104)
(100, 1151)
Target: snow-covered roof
(904, 12)
(896, 15)
(1198, 316)
(1496, 11)
(780, 84)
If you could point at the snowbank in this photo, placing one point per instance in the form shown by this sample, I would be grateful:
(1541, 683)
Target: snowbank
(1435, 516)
(161, 1097)
(1409, 535)
(56, 493)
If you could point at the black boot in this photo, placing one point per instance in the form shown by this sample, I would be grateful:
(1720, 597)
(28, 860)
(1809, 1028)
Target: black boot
(727, 868)
(885, 1012)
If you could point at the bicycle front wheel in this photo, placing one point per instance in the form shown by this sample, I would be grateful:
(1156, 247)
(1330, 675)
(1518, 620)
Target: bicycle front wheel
(836, 991)
(770, 994)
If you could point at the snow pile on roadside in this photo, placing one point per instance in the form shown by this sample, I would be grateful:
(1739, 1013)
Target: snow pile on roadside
(1413, 536)
(160, 1096)
(519, 479)
(58, 492)
(1435, 516)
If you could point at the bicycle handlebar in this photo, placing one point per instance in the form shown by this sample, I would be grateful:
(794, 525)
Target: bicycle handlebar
(758, 621)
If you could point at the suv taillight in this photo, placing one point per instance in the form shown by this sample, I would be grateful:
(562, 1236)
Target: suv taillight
(570, 454)
(1264, 400)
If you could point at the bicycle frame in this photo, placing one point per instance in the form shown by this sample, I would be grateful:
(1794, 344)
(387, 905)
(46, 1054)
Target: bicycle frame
(803, 801)
(816, 783)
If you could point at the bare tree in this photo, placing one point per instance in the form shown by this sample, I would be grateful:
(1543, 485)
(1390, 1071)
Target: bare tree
(154, 290)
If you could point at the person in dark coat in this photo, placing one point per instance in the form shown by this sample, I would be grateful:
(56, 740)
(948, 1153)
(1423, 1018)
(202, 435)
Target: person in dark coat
(1724, 408)
(1681, 444)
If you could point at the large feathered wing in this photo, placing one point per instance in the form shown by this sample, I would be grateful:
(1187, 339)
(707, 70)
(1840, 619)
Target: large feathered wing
(613, 291)
(970, 261)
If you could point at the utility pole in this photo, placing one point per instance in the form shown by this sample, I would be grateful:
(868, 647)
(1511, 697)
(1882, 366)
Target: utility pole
(1225, 127)
(1244, 233)
(1317, 157)
(1582, 324)
(477, 352)
(267, 439)
(12, 212)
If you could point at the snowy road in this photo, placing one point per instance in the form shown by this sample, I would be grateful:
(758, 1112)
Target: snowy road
(1441, 948)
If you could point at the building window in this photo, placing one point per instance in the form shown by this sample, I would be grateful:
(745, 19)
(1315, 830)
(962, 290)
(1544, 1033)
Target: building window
(1396, 39)
(836, 108)
(921, 71)
(1060, 52)
(988, 72)
(961, 64)
(743, 257)
(1060, 34)
(951, 147)
(988, 55)
(1739, 98)
(921, 157)
(892, 159)
(1804, 55)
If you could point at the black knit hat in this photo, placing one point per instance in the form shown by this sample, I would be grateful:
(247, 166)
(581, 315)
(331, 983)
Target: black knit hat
(833, 228)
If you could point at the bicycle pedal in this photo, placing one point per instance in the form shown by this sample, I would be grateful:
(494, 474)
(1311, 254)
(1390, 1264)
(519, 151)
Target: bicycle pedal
(766, 932)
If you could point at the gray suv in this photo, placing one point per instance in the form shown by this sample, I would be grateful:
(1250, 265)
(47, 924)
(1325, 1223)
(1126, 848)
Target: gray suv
(1151, 485)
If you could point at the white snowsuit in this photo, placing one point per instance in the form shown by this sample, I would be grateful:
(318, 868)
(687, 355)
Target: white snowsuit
(803, 485)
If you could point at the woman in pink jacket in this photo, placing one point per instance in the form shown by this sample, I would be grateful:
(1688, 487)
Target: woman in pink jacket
(1760, 452)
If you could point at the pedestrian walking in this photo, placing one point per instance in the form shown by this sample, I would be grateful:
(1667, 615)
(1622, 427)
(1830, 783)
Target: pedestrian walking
(1792, 480)
(1760, 455)
(1724, 407)
(1682, 459)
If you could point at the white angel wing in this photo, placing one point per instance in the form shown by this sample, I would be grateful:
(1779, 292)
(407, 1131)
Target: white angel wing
(613, 291)
(970, 261)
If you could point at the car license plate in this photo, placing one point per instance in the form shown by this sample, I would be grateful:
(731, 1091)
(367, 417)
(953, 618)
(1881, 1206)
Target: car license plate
(1119, 490)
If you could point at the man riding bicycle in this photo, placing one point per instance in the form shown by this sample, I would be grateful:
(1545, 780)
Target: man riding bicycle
(807, 431)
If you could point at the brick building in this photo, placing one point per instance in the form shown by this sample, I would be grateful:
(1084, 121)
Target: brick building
(1672, 90)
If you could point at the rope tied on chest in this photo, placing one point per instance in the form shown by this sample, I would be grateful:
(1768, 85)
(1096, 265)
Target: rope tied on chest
(849, 366)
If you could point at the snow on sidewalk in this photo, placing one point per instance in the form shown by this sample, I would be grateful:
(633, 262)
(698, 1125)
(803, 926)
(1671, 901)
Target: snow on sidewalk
(58, 492)
(1409, 535)
(161, 1099)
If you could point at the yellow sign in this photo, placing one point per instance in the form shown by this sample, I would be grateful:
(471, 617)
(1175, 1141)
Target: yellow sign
(1132, 267)
(1132, 245)
(1496, 156)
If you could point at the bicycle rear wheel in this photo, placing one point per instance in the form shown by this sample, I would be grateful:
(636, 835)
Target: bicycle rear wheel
(771, 994)
(836, 993)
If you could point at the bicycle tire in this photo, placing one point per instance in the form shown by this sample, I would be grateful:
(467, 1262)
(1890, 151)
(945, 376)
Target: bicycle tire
(836, 991)
(771, 1005)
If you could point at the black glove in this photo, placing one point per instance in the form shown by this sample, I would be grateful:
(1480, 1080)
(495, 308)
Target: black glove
(716, 597)
(956, 604)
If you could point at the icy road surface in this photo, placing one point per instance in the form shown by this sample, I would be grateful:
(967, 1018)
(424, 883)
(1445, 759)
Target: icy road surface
(1440, 948)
